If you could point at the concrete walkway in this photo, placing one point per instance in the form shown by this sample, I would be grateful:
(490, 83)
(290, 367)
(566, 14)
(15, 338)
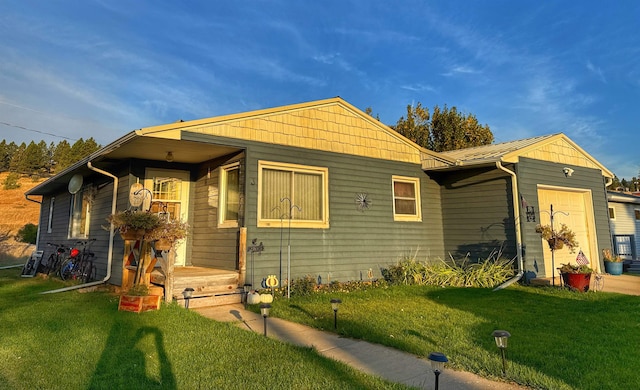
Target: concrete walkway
(375, 359)
(623, 284)
(370, 358)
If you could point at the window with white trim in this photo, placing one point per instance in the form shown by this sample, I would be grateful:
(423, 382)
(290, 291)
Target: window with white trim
(229, 206)
(406, 199)
(50, 219)
(80, 215)
(296, 192)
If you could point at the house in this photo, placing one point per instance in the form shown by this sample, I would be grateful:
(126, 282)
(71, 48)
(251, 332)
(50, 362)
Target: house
(624, 218)
(529, 180)
(322, 189)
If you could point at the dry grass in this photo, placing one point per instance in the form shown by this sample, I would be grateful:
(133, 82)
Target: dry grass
(16, 211)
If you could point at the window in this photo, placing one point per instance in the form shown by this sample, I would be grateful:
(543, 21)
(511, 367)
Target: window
(406, 199)
(50, 219)
(612, 213)
(624, 246)
(292, 191)
(80, 215)
(636, 212)
(229, 195)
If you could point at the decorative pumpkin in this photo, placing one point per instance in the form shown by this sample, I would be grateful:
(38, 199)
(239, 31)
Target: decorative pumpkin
(266, 298)
(253, 298)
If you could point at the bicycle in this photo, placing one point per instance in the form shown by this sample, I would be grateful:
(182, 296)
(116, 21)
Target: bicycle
(79, 264)
(54, 261)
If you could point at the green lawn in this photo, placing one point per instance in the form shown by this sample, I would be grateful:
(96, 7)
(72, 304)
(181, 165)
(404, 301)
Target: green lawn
(560, 339)
(79, 340)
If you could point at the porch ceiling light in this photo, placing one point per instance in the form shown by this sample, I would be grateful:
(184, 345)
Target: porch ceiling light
(169, 156)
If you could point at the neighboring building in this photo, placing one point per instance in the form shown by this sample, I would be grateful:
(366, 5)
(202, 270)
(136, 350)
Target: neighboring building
(624, 218)
(360, 195)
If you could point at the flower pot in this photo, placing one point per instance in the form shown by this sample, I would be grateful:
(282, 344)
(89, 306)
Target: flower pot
(613, 268)
(163, 244)
(132, 234)
(139, 303)
(555, 243)
(579, 282)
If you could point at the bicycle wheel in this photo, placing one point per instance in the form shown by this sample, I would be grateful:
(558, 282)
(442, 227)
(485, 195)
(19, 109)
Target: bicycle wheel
(87, 272)
(48, 266)
(67, 269)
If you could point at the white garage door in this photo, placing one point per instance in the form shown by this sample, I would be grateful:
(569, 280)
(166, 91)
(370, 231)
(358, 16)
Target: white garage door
(575, 209)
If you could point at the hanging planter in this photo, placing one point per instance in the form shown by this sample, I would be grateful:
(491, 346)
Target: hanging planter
(557, 239)
(555, 243)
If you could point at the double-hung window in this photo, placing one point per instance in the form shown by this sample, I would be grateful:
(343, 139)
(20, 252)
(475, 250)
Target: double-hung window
(295, 194)
(229, 207)
(80, 215)
(406, 199)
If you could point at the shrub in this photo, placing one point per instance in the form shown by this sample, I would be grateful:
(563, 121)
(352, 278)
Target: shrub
(11, 181)
(303, 286)
(28, 233)
(455, 273)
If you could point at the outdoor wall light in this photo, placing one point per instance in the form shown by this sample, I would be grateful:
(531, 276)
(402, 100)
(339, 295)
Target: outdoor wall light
(438, 359)
(567, 171)
(264, 310)
(501, 337)
(187, 294)
(169, 156)
(335, 305)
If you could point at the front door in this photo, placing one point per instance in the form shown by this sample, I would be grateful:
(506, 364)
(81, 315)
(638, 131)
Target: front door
(170, 197)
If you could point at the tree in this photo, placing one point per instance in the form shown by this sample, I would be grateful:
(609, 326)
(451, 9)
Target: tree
(416, 126)
(62, 156)
(446, 129)
(27, 233)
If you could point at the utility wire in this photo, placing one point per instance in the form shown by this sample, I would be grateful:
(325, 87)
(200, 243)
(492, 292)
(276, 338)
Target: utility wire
(37, 131)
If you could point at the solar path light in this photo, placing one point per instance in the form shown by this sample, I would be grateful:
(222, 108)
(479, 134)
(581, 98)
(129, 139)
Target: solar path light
(501, 337)
(438, 359)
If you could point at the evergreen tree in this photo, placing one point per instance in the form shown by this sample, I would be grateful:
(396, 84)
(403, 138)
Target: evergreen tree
(15, 165)
(62, 156)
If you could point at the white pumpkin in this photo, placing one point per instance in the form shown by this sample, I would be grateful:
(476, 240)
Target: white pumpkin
(253, 298)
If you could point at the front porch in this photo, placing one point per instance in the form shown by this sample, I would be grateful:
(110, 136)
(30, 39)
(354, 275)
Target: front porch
(212, 287)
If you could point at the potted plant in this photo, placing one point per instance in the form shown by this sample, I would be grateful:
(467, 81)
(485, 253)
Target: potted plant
(612, 263)
(558, 238)
(168, 233)
(133, 225)
(138, 299)
(576, 276)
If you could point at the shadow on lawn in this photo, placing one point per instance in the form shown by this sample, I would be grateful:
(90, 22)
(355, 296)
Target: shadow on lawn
(565, 329)
(123, 363)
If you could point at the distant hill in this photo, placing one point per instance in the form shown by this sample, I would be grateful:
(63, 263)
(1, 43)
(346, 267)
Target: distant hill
(15, 212)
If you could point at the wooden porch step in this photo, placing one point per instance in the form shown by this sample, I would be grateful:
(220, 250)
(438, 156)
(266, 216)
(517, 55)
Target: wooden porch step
(210, 286)
(203, 300)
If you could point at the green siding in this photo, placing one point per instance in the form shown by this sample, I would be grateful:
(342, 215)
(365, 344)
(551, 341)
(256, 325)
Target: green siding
(355, 241)
(477, 212)
(533, 172)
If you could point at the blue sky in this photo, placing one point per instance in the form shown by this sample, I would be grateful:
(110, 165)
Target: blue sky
(103, 68)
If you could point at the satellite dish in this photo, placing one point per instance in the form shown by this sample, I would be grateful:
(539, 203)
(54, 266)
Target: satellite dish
(136, 194)
(75, 183)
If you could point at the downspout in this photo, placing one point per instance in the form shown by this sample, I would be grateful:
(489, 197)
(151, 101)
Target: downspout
(26, 196)
(516, 217)
(111, 236)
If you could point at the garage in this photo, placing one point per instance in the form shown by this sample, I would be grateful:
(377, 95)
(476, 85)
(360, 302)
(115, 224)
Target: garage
(573, 207)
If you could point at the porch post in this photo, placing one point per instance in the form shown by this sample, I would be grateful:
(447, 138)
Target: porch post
(242, 256)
